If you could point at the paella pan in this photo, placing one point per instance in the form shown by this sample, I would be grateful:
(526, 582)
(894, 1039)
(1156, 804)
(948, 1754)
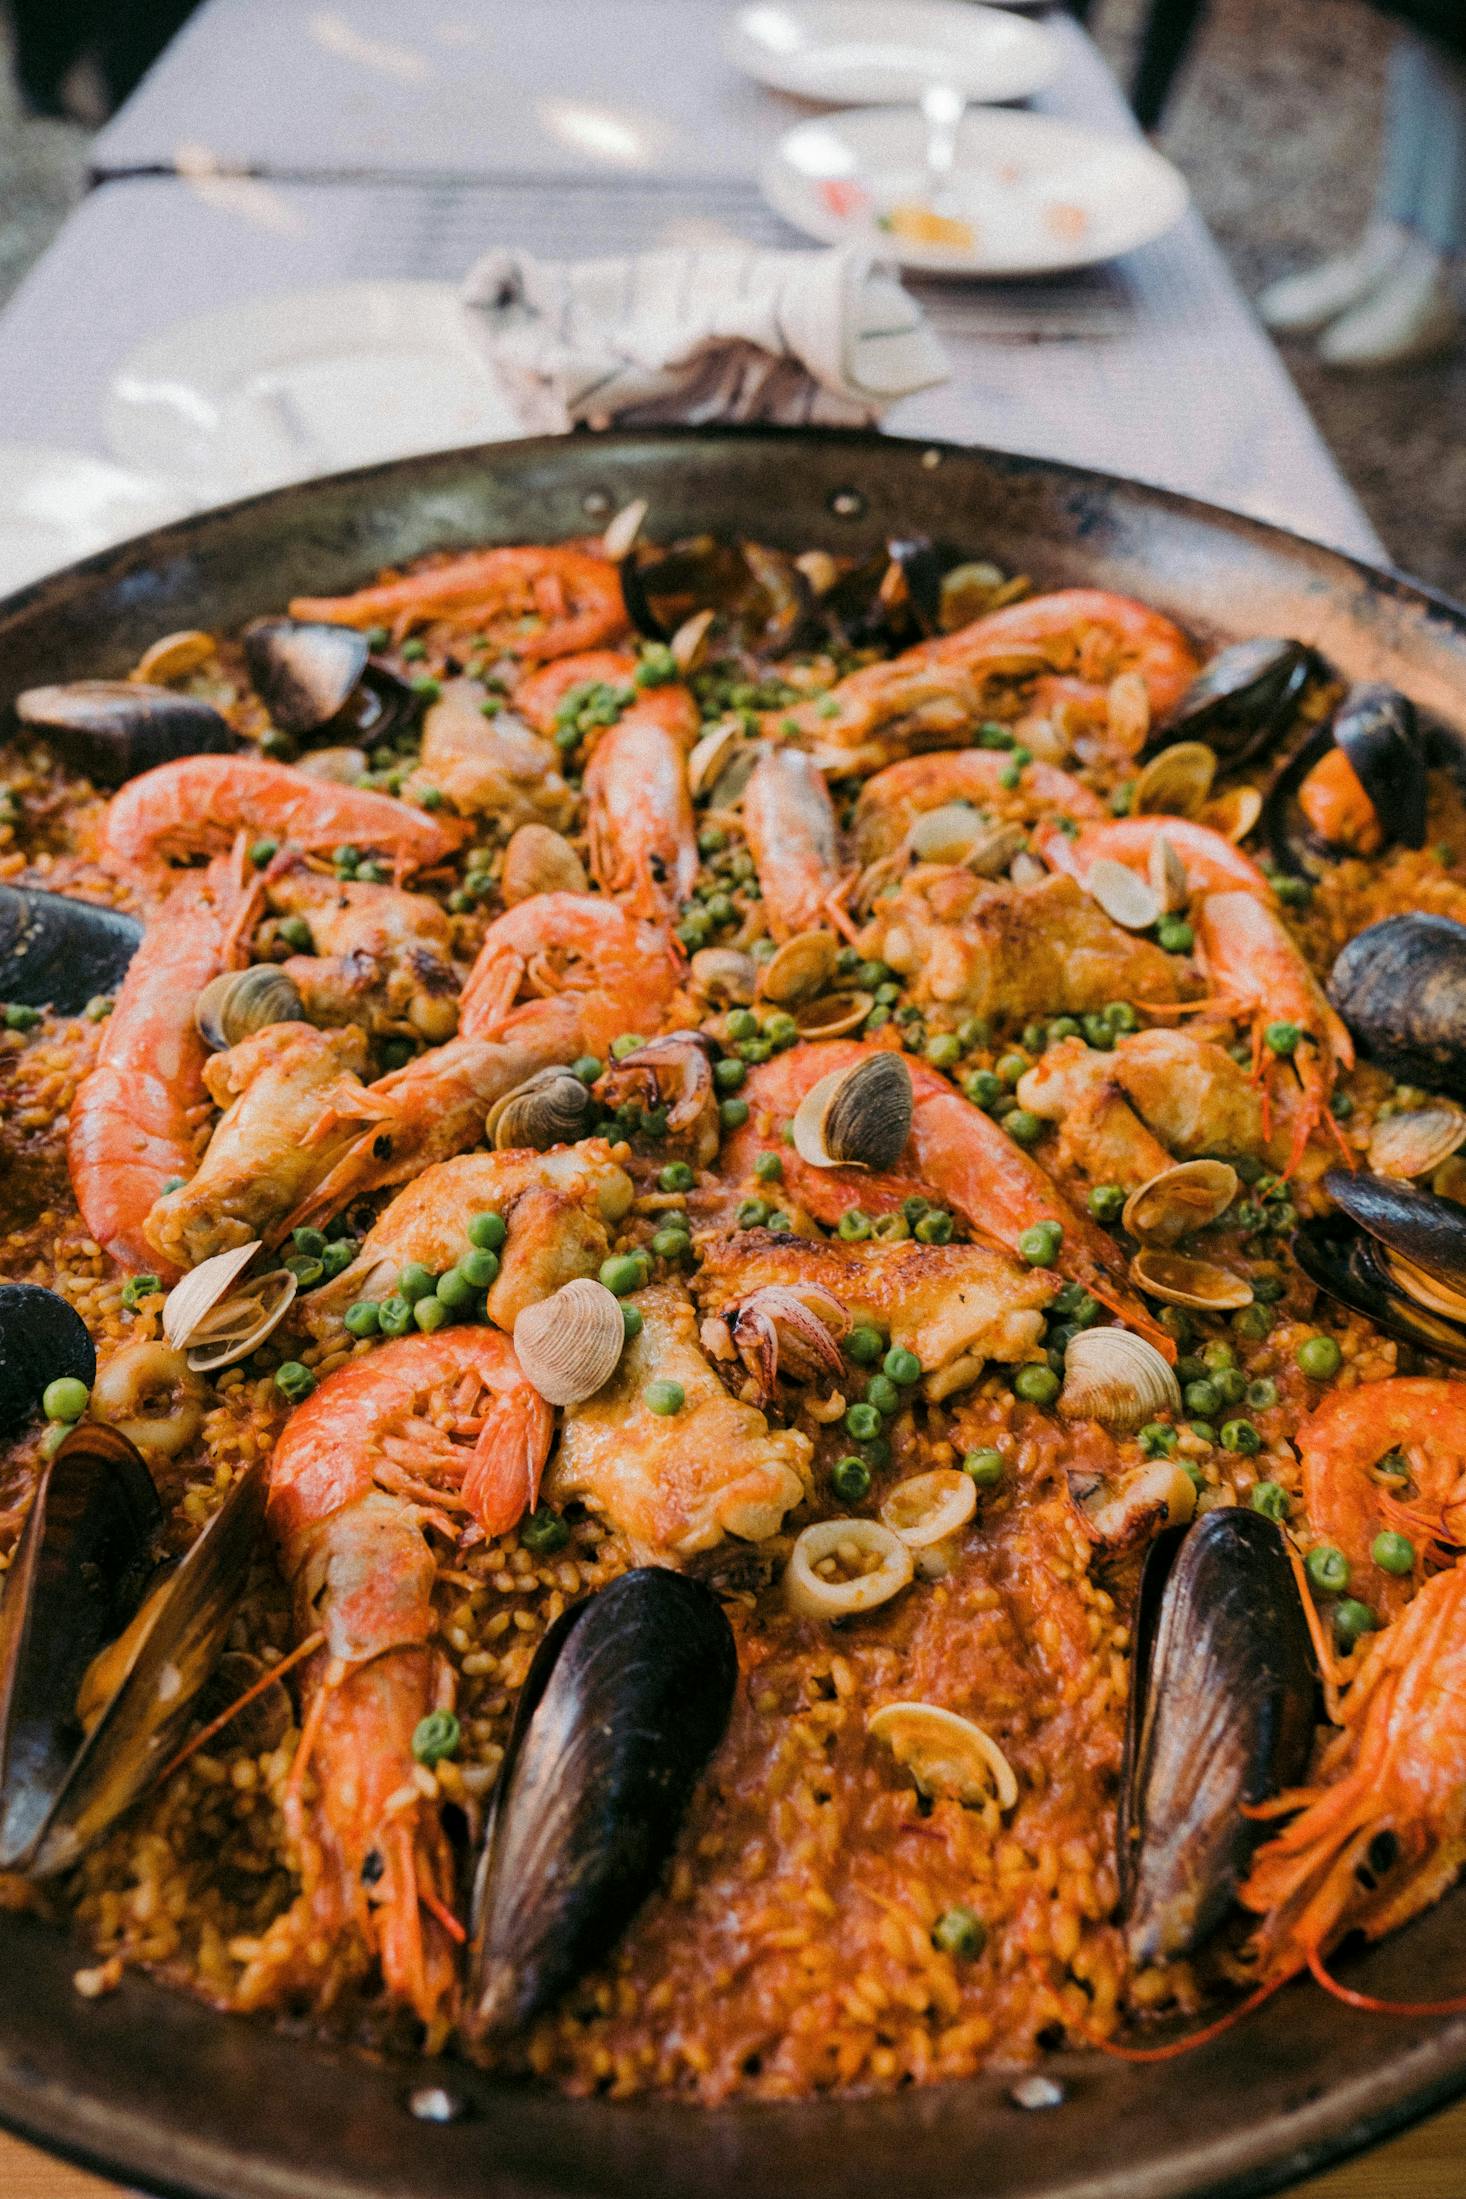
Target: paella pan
(732, 1285)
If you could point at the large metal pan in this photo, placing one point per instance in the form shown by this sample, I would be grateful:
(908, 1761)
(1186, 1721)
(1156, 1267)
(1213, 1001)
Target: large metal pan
(152, 2087)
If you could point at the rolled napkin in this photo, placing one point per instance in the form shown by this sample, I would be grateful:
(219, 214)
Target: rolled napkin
(700, 333)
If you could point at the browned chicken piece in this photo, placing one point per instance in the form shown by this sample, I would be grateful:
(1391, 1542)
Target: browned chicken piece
(557, 1206)
(954, 1306)
(382, 958)
(1013, 952)
(674, 1483)
(265, 1153)
(491, 767)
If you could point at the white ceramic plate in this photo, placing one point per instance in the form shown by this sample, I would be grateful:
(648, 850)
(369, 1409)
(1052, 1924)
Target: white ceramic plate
(57, 505)
(281, 388)
(1037, 196)
(877, 52)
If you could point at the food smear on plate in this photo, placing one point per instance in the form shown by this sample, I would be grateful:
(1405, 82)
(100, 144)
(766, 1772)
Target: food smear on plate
(732, 1360)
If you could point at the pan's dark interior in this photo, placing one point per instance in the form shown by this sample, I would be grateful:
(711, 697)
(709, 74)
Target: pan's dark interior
(160, 2091)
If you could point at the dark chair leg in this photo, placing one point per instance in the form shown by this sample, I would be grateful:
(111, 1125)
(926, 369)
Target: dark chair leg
(1169, 29)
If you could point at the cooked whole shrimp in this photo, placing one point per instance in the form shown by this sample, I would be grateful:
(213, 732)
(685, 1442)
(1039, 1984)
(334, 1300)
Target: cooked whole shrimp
(1211, 863)
(581, 956)
(531, 602)
(890, 802)
(1387, 1455)
(675, 1484)
(1159, 1096)
(137, 1112)
(557, 1206)
(200, 803)
(424, 1433)
(956, 1154)
(262, 1156)
(639, 821)
(954, 1306)
(382, 958)
(1257, 970)
(794, 839)
(1381, 1832)
(972, 947)
(490, 767)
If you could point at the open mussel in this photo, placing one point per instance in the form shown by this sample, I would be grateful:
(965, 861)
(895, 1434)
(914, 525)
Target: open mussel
(759, 597)
(114, 729)
(887, 600)
(1400, 985)
(103, 1654)
(59, 953)
(1394, 1252)
(627, 1698)
(1357, 784)
(1242, 699)
(1221, 1718)
(41, 1339)
(316, 679)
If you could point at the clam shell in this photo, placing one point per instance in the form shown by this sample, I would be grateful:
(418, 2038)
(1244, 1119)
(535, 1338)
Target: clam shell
(1179, 1200)
(538, 860)
(802, 968)
(689, 645)
(957, 833)
(873, 1564)
(858, 1117)
(213, 1323)
(721, 764)
(946, 1755)
(237, 1003)
(1234, 813)
(552, 1107)
(1176, 781)
(1415, 1143)
(569, 1344)
(1118, 1379)
(174, 657)
(623, 528)
(1124, 895)
(1179, 1281)
(833, 1015)
(1167, 875)
(724, 975)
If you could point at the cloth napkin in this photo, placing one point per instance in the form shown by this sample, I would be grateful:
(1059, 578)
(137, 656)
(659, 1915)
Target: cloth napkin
(697, 334)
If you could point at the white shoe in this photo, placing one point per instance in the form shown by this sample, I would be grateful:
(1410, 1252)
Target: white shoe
(1412, 315)
(1300, 305)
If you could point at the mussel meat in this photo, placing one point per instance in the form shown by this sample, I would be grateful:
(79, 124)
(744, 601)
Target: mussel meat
(1356, 785)
(627, 1698)
(315, 678)
(59, 953)
(761, 599)
(41, 1338)
(113, 729)
(102, 1654)
(1398, 1255)
(1400, 986)
(1221, 1717)
(1243, 698)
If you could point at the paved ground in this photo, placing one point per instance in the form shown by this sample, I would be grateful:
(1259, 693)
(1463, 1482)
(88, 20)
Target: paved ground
(1275, 124)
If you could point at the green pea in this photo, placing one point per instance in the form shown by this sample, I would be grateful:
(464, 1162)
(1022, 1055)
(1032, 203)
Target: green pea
(676, 1176)
(901, 1365)
(1204, 1430)
(882, 1392)
(1022, 1127)
(98, 1008)
(864, 1345)
(720, 908)
(742, 1023)
(1392, 1553)
(1036, 1384)
(733, 1113)
(1283, 1038)
(1010, 1067)
(1120, 1016)
(416, 1281)
(65, 1399)
(543, 1532)
(1107, 1202)
(486, 1232)
(769, 1168)
(1254, 1322)
(294, 1381)
(1157, 1439)
(780, 1029)
(394, 1315)
(624, 1272)
(853, 1226)
(413, 652)
(665, 1398)
(587, 1067)
(631, 1320)
(430, 1314)
(1177, 1324)
(1319, 1357)
(1040, 1244)
(934, 1229)
(1262, 1393)
(944, 1051)
(262, 852)
(1268, 1289)
(436, 1737)
(672, 1244)
(479, 1268)
(985, 1467)
(960, 1932)
(138, 1287)
(454, 1289)
(728, 1075)
(1242, 1437)
(1175, 935)
(1327, 1569)
(1203, 1399)
(862, 1421)
(1268, 1497)
(307, 1272)
(1351, 1619)
(982, 1087)
(1098, 1034)
(850, 1479)
(751, 1213)
(627, 1043)
(20, 1018)
(1231, 1385)
(361, 1318)
(296, 933)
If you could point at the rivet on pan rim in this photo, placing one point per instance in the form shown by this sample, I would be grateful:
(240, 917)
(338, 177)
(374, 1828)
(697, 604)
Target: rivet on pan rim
(596, 503)
(847, 503)
(931, 459)
(434, 2103)
(1033, 2092)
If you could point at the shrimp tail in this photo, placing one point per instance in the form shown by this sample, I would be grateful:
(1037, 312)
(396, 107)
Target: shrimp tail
(503, 1478)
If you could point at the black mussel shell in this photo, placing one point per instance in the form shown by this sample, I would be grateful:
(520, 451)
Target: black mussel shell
(314, 678)
(627, 1698)
(1242, 698)
(114, 729)
(760, 596)
(887, 600)
(77, 1577)
(62, 1785)
(1221, 1715)
(1377, 729)
(1347, 1263)
(1400, 985)
(1422, 1228)
(41, 1338)
(59, 953)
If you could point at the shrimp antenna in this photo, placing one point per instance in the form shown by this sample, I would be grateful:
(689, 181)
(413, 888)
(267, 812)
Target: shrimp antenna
(1174, 2047)
(1372, 2005)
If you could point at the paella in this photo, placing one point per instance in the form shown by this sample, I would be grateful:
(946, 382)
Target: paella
(731, 1293)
